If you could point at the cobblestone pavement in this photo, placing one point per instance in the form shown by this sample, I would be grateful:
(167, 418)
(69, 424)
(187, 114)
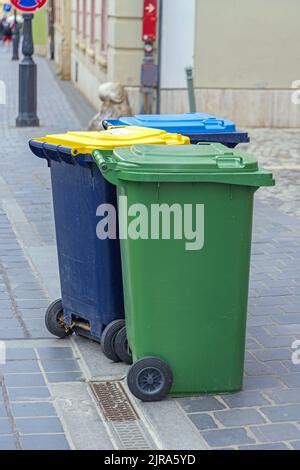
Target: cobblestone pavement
(44, 398)
(279, 150)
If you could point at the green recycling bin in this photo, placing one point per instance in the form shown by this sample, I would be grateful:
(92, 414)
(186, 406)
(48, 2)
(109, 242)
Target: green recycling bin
(185, 229)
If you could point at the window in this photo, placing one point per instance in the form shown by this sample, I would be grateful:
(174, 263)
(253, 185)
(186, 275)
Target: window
(93, 22)
(84, 13)
(104, 12)
(78, 18)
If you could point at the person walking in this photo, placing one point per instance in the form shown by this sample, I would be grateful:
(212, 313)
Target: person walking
(7, 32)
(2, 28)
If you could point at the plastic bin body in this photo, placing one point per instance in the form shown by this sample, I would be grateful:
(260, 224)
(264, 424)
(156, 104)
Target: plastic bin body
(198, 127)
(189, 308)
(90, 268)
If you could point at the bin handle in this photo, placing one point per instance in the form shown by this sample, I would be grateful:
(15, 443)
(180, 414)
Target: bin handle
(214, 121)
(230, 162)
(102, 161)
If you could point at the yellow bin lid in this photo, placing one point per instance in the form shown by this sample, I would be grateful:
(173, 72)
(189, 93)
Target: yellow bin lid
(87, 142)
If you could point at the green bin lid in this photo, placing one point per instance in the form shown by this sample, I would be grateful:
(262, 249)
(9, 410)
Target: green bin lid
(204, 162)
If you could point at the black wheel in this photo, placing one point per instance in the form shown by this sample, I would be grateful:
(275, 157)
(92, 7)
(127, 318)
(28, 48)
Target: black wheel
(54, 320)
(108, 339)
(150, 379)
(122, 348)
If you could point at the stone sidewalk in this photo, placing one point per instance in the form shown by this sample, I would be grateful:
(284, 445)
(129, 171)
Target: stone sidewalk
(45, 398)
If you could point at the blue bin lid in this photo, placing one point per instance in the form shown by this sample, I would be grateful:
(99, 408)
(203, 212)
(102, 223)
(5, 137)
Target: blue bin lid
(188, 123)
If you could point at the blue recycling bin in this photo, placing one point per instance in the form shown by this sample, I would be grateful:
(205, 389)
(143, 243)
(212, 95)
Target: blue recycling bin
(89, 268)
(198, 127)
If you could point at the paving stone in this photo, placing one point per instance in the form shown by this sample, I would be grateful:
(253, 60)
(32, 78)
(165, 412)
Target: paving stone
(55, 353)
(239, 417)
(245, 399)
(26, 286)
(275, 354)
(296, 445)
(33, 303)
(28, 394)
(287, 319)
(19, 278)
(39, 426)
(290, 329)
(290, 367)
(291, 380)
(20, 353)
(23, 410)
(194, 405)
(3, 413)
(44, 442)
(24, 380)
(252, 344)
(203, 421)
(64, 377)
(227, 437)
(12, 333)
(275, 446)
(256, 332)
(39, 333)
(32, 313)
(9, 323)
(292, 308)
(29, 294)
(284, 413)
(276, 300)
(20, 367)
(4, 296)
(5, 304)
(8, 314)
(283, 397)
(277, 367)
(257, 368)
(7, 443)
(5, 308)
(69, 365)
(249, 357)
(276, 432)
(260, 321)
(5, 426)
(261, 382)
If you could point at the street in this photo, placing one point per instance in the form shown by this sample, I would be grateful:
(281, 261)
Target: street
(46, 398)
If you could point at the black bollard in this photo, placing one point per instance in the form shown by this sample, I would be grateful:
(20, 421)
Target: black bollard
(16, 39)
(27, 80)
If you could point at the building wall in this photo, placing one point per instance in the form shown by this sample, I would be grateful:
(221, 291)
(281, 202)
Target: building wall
(246, 59)
(114, 53)
(246, 55)
(251, 45)
(40, 36)
(62, 38)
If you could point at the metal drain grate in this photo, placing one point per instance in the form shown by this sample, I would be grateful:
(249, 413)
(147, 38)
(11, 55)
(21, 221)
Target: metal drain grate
(121, 417)
(132, 436)
(114, 402)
